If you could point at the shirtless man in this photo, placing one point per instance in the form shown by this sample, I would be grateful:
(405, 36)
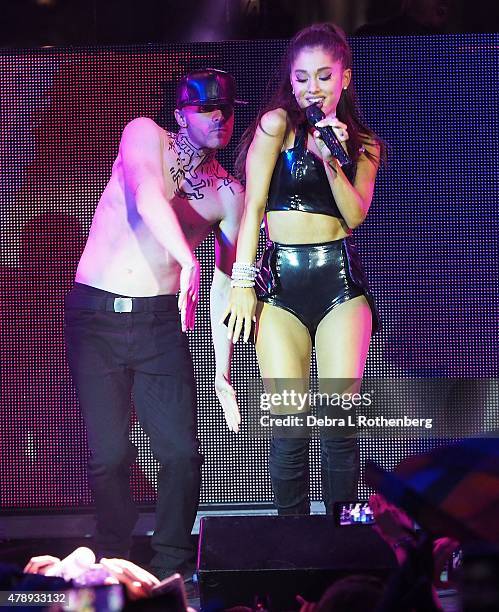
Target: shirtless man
(122, 328)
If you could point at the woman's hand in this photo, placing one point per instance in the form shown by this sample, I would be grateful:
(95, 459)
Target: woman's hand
(241, 311)
(339, 128)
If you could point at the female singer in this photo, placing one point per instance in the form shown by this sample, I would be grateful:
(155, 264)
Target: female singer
(310, 288)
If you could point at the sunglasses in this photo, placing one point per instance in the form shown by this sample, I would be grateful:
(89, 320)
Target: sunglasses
(225, 108)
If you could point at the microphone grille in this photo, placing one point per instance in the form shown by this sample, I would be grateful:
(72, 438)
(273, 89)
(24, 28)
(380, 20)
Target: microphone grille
(314, 114)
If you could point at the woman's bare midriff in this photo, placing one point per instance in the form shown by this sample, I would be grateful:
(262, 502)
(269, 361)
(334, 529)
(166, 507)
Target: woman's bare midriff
(297, 227)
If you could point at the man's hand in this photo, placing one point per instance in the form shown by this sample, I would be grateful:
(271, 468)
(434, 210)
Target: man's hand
(189, 293)
(227, 397)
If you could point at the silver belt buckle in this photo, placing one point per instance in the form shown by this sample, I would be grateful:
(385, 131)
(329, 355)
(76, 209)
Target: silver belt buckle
(123, 304)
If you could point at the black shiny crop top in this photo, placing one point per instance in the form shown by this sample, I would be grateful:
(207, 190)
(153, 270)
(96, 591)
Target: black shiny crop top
(299, 181)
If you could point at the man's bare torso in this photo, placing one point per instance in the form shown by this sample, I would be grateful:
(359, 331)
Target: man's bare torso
(122, 255)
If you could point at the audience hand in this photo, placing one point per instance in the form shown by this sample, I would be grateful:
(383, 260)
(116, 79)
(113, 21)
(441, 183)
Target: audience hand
(137, 581)
(392, 523)
(40, 564)
(305, 606)
(442, 552)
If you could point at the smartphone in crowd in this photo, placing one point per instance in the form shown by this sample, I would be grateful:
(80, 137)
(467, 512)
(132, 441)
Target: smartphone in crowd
(172, 593)
(353, 513)
(452, 567)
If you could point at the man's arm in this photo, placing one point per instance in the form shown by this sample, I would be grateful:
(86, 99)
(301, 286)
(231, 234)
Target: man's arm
(141, 153)
(225, 254)
(142, 159)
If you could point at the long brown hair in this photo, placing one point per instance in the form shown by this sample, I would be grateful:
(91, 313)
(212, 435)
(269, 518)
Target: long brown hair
(332, 39)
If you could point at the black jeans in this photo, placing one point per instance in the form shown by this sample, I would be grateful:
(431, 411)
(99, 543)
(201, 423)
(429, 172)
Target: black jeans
(289, 472)
(113, 355)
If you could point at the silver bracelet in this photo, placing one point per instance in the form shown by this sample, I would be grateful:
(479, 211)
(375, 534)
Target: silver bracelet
(239, 267)
(243, 274)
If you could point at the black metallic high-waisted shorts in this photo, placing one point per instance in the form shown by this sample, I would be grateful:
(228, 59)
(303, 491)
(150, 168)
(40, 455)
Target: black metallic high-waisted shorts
(309, 280)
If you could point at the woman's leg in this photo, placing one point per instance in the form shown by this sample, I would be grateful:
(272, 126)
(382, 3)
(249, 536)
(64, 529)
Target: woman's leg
(342, 342)
(283, 348)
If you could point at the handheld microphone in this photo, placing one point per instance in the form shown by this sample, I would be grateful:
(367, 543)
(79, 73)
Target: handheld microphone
(314, 114)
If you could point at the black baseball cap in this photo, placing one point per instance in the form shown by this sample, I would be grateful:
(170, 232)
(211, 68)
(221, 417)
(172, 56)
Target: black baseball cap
(207, 87)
